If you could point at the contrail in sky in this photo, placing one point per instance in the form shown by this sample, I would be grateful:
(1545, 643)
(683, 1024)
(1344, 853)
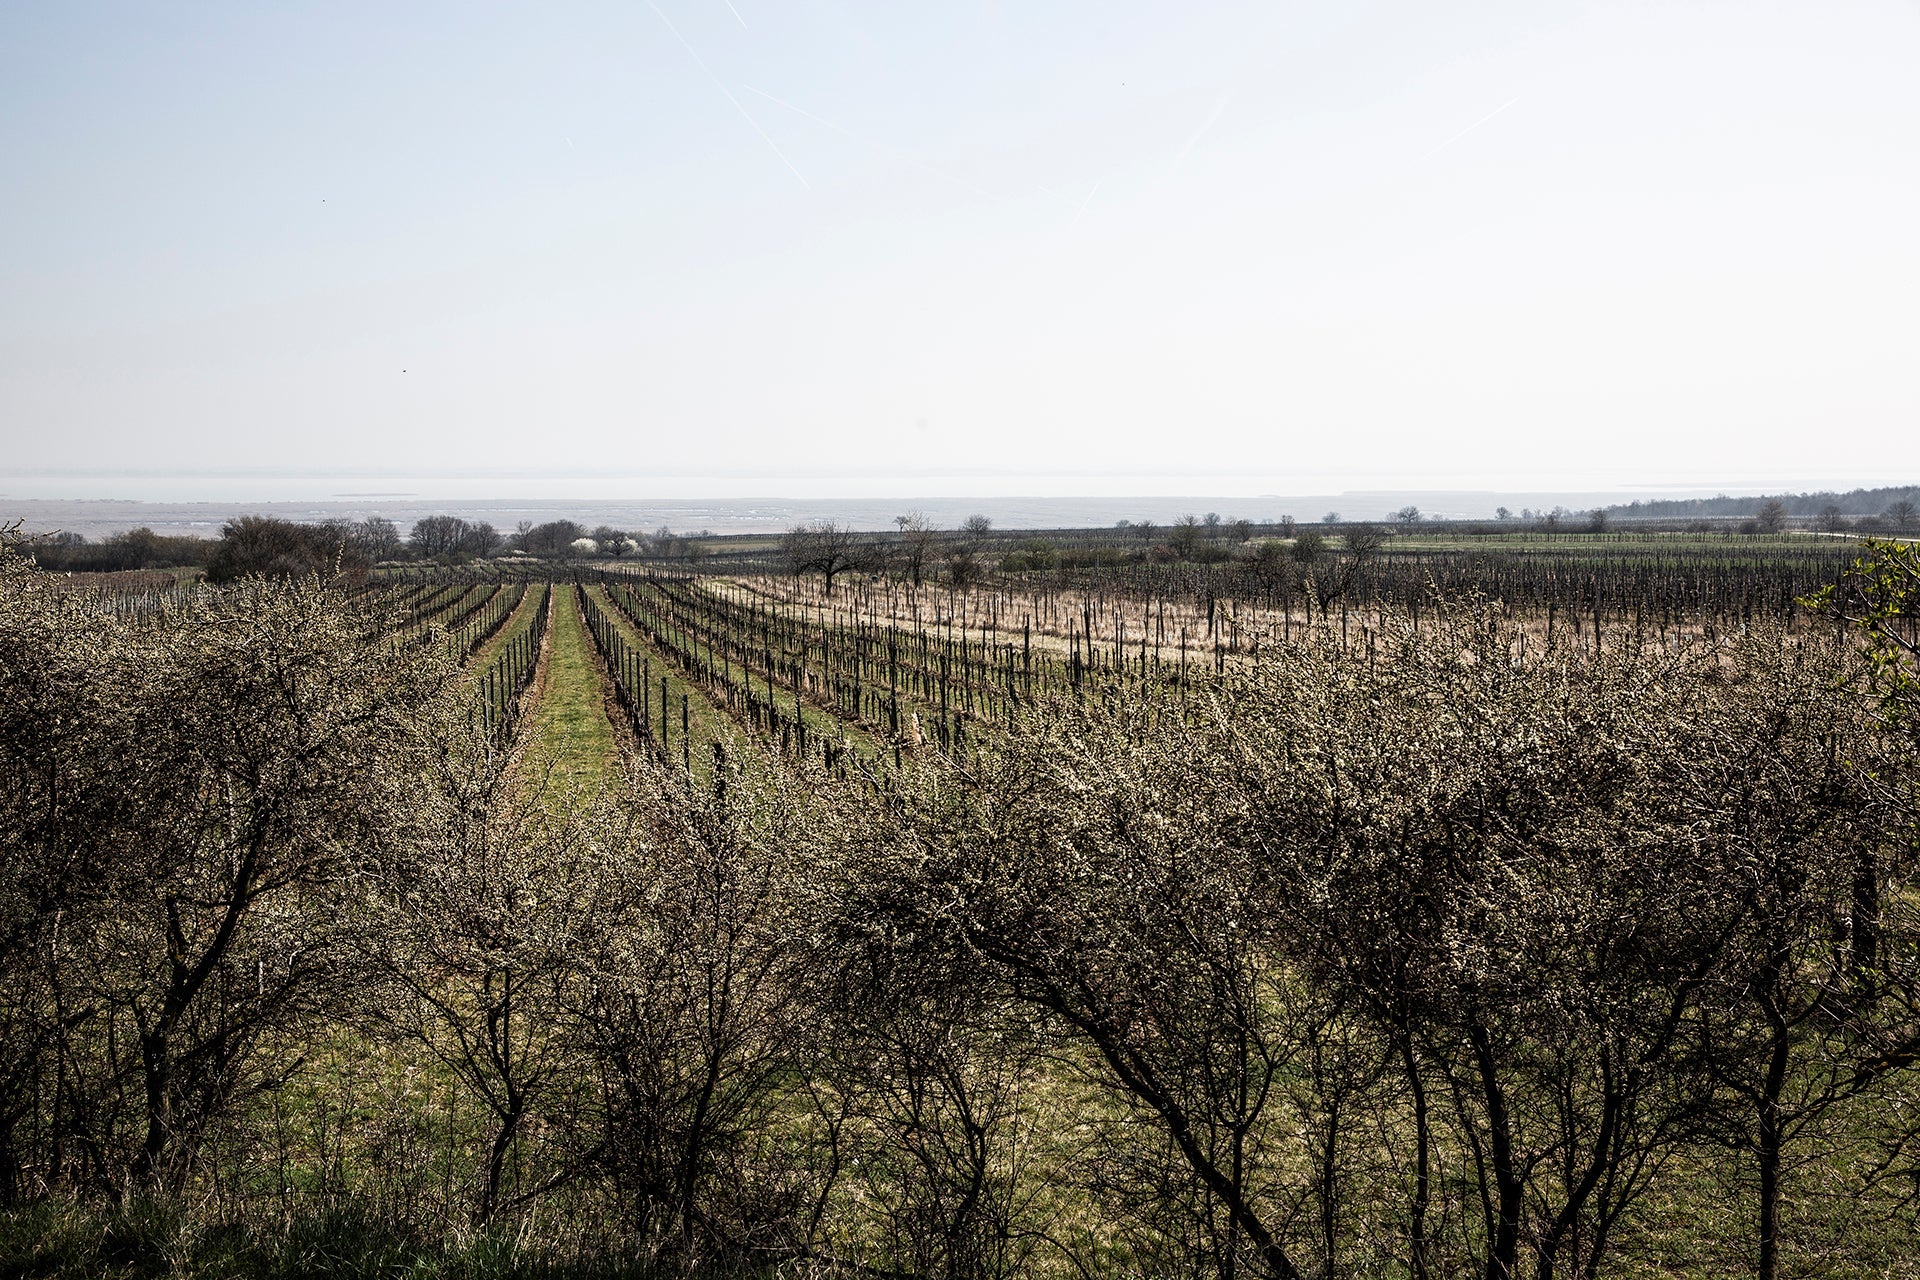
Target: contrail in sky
(908, 156)
(737, 106)
(1470, 128)
(1083, 206)
(1193, 139)
(736, 14)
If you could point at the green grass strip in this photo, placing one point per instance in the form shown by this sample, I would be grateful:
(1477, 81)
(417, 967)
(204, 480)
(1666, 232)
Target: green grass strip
(570, 738)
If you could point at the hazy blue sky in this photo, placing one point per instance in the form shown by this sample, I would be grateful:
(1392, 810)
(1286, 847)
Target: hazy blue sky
(1297, 246)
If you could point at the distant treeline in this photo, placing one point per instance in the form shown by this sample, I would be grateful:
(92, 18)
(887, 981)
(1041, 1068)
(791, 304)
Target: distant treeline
(136, 549)
(1855, 502)
(269, 544)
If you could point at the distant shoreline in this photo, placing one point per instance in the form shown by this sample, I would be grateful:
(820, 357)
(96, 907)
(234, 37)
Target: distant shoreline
(99, 517)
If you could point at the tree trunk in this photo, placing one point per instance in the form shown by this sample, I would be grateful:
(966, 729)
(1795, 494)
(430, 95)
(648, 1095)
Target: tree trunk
(497, 1159)
(1503, 1251)
(1769, 1145)
(1423, 1138)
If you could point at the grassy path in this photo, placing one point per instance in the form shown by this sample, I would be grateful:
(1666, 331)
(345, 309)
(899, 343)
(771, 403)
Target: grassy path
(569, 744)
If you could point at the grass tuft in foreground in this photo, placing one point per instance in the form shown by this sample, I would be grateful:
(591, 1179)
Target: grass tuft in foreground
(59, 1240)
